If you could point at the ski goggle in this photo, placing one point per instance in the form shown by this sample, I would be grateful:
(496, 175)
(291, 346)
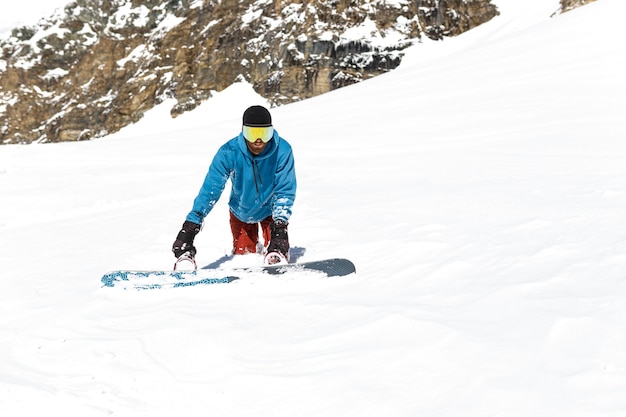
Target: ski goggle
(252, 133)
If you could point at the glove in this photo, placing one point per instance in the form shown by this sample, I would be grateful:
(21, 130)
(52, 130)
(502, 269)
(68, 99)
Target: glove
(279, 239)
(184, 240)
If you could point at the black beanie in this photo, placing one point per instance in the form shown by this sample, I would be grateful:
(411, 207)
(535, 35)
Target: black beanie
(257, 116)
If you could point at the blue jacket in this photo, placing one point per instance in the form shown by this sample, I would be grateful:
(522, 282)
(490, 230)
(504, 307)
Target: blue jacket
(262, 186)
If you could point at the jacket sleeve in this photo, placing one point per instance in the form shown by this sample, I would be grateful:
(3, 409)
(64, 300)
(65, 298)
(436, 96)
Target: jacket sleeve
(212, 187)
(285, 186)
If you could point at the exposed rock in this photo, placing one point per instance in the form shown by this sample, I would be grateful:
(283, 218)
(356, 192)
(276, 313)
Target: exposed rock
(98, 65)
(567, 5)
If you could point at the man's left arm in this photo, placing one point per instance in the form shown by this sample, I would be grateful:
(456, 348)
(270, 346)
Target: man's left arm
(284, 187)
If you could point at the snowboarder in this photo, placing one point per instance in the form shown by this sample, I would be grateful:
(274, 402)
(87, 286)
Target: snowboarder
(260, 165)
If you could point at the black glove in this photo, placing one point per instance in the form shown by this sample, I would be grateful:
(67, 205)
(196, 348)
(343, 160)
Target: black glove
(279, 240)
(184, 240)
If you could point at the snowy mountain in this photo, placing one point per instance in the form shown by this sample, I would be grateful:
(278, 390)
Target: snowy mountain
(478, 188)
(99, 65)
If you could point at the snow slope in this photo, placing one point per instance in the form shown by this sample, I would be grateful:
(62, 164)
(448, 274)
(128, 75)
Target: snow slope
(479, 189)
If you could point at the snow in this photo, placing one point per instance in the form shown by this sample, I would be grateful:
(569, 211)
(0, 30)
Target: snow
(478, 188)
(28, 12)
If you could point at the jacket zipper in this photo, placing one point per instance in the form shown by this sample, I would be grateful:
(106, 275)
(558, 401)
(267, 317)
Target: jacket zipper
(256, 174)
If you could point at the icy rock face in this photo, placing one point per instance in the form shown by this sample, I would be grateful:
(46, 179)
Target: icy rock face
(98, 65)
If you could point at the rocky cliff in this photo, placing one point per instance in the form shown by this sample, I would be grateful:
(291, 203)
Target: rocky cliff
(98, 65)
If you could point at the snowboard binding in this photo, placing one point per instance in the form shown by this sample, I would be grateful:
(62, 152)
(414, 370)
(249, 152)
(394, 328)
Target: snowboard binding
(275, 258)
(185, 262)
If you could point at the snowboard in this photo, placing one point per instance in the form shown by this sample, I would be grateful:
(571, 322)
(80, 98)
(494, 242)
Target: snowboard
(145, 280)
(334, 267)
(148, 280)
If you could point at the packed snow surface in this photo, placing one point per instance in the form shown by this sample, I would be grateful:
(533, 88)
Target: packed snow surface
(480, 189)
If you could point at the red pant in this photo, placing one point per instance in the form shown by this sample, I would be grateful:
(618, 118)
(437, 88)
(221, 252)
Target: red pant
(246, 235)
